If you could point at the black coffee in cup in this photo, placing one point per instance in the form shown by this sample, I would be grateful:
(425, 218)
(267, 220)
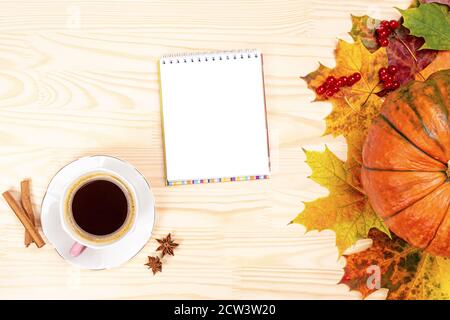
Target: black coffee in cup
(100, 207)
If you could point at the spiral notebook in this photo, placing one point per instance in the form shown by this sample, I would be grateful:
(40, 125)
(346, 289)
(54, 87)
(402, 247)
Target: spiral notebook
(214, 117)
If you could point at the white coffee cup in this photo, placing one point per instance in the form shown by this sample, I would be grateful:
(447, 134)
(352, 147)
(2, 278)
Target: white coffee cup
(82, 238)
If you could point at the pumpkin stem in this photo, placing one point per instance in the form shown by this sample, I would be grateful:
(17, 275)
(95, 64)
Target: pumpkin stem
(448, 169)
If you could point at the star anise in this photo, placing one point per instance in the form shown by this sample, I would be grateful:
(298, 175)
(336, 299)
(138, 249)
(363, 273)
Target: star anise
(166, 245)
(155, 264)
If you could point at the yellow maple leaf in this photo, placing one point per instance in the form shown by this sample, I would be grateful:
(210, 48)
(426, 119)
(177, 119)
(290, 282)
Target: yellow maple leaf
(346, 210)
(441, 62)
(353, 107)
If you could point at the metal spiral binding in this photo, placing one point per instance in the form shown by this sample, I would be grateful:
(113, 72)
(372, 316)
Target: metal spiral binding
(209, 56)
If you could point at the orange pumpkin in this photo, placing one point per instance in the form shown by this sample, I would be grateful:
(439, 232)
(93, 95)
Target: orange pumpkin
(406, 158)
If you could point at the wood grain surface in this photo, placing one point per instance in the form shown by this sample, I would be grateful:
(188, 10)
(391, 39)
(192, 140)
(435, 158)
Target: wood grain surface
(80, 78)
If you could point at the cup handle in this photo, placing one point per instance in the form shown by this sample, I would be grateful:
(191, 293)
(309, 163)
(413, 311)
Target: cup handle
(77, 249)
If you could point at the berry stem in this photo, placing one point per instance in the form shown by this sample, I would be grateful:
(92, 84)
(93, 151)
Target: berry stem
(380, 83)
(370, 93)
(423, 78)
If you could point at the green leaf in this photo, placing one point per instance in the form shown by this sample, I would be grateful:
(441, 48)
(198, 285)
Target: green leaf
(430, 21)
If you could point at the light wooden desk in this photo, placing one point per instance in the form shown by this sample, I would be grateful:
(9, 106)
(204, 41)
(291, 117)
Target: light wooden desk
(80, 78)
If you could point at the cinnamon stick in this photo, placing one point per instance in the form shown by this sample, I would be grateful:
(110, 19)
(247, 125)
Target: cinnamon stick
(28, 207)
(20, 213)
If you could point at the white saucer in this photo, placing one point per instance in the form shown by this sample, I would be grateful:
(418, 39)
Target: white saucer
(117, 253)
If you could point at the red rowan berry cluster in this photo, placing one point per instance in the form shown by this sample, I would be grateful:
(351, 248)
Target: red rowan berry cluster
(332, 84)
(387, 77)
(384, 31)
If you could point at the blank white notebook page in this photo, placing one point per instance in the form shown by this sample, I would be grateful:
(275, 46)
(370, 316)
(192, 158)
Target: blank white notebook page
(214, 117)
